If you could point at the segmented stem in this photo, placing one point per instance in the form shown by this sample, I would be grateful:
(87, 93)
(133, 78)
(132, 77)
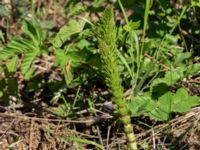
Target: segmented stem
(107, 37)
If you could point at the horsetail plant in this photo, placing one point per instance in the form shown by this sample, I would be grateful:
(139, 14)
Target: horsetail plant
(107, 37)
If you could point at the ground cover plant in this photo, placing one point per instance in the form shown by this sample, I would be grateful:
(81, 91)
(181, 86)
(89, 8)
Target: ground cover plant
(99, 74)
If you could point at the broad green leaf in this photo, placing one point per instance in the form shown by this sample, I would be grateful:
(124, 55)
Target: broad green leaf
(163, 107)
(77, 56)
(165, 102)
(179, 58)
(171, 77)
(182, 102)
(159, 114)
(138, 105)
(192, 69)
(61, 57)
(73, 27)
(158, 90)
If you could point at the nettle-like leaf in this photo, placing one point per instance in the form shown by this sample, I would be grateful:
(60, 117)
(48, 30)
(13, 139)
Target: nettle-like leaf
(12, 64)
(28, 60)
(31, 46)
(73, 27)
(33, 31)
(141, 104)
(15, 47)
(161, 109)
(179, 102)
(182, 102)
(192, 69)
(179, 58)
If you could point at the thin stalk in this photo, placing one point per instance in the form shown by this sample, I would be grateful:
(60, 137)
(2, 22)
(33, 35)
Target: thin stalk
(146, 16)
(32, 8)
(179, 19)
(131, 70)
(123, 11)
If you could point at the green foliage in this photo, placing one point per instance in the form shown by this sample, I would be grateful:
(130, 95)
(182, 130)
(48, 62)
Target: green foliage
(142, 57)
(73, 27)
(31, 47)
(160, 109)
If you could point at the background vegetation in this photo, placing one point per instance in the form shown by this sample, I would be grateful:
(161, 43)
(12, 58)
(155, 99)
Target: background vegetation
(67, 74)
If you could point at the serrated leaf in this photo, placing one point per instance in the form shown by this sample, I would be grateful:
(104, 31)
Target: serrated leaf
(163, 108)
(28, 60)
(76, 9)
(21, 45)
(165, 102)
(73, 27)
(15, 47)
(171, 77)
(159, 114)
(12, 64)
(192, 69)
(179, 58)
(29, 73)
(182, 102)
(7, 53)
(138, 105)
(32, 31)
